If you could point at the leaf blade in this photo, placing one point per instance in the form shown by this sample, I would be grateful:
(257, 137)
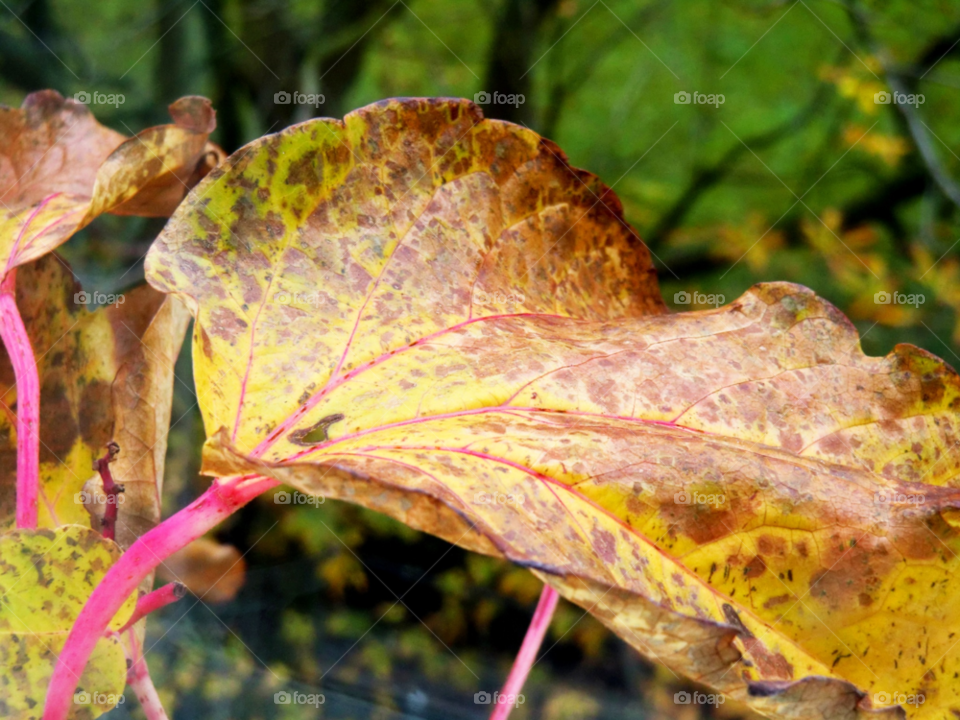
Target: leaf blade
(452, 359)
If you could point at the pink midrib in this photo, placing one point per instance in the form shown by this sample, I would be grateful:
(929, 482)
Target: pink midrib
(337, 381)
(505, 409)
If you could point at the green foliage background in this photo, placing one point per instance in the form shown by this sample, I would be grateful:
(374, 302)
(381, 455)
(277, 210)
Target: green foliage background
(799, 175)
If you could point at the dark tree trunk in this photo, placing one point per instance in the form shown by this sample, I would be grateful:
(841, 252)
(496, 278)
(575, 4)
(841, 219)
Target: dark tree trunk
(171, 47)
(350, 25)
(25, 63)
(511, 56)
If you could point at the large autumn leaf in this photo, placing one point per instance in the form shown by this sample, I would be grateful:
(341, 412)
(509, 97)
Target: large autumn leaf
(60, 169)
(105, 374)
(433, 315)
(46, 577)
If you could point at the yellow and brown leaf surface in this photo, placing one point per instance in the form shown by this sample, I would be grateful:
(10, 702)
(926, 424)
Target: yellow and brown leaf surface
(433, 315)
(46, 577)
(105, 374)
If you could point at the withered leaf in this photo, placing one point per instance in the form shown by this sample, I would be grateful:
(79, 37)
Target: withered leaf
(212, 571)
(60, 169)
(105, 374)
(739, 493)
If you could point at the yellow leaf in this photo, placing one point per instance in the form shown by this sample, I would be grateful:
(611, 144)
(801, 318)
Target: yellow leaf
(209, 569)
(857, 82)
(888, 148)
(432, 315)
(46, 577)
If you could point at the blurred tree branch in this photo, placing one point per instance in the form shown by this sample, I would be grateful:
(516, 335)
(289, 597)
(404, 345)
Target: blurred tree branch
(916, 128)
(278, 57)
(510, 56)
(171, 32)
(24, 61)
(348, 26)
(939, 49)
(570, 82)
(705, 178)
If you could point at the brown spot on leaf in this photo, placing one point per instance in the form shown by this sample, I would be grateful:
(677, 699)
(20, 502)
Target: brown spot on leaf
(605, 544)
